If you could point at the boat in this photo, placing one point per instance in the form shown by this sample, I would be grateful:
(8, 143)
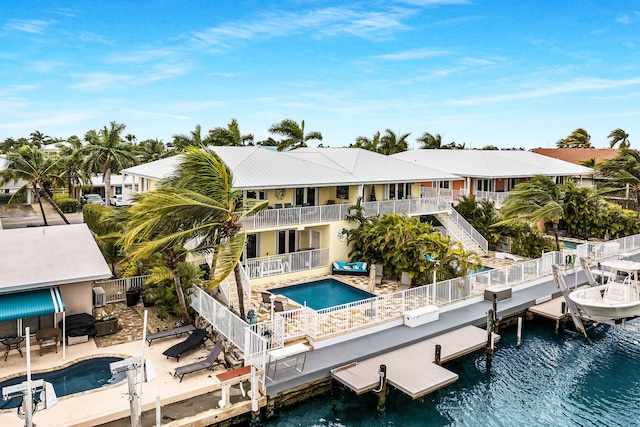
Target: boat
(617, 298)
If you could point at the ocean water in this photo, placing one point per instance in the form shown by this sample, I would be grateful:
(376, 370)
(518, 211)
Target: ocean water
(549, 380)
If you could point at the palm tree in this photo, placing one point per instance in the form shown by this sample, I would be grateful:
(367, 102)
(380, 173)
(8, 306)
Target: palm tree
(39, 139)
(181, 142)
(430, 141)
(619, 136)
(70, 163)
(197, 208)
(623, 172)
(150, 150)
(390, 143)
(293, 133)
(38, 171)
(368, 144)
(107, 153)
(539, 199)
(230, 136)
(579, 138)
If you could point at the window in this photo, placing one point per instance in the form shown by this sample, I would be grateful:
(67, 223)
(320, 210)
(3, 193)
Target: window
(342, 192)
(484, 185)
(306, 196)
(399, 191)
(256, 194)
(443, 184)
(287, 241)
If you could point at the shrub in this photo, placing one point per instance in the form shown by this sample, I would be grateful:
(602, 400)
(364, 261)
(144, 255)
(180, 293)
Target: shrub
(94, 218)
(65, 203)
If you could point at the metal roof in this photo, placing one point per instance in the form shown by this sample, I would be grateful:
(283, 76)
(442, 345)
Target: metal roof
(256, 167)
(42, 257)
(493, 163)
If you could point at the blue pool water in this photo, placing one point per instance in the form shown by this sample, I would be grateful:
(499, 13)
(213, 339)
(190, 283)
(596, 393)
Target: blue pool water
(549, 380)
(569, 245)
(322, 293)
(82, 376)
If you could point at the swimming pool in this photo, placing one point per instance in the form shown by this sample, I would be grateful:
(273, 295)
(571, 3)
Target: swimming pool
(323, 293)
(569, 244)
(81, 376)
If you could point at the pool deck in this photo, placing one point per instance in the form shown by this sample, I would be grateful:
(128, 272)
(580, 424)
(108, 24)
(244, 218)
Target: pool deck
(111, 403)
(473, 311)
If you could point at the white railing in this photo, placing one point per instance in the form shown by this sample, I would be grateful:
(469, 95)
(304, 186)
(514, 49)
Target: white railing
(426, 192)
(245, 281)
(469, 230)
(115, 289)
(236, 330)
(496, 197)
(422, 206)
(321, 214)
(286, 263)
(225, 289)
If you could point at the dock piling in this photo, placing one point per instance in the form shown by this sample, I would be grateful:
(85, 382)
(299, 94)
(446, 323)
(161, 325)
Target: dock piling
(438, 353)
(491, 318)
(382, 390)
(519, 330)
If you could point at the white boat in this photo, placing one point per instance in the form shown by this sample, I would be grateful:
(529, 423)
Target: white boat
(618, 298)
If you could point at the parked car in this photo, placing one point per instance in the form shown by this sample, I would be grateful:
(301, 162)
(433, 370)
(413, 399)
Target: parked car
(91, 199)
(118, 200)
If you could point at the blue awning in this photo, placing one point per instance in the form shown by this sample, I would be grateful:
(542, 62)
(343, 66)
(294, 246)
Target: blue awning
(31, 304)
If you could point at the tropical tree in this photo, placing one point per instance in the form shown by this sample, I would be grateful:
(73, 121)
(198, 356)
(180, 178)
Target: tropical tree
(194, 139)
(366, 143)
(579, 138)
(71, 165)
(39, 139)
(430, 141)
(623, 173)
(619, 136)
(30, 165)
(539, 199)
(481, 214)
(198, 209)
(13, 144)
(229, 136)
(150, 150)
(294, 135)
(391, 143)
(106, 153)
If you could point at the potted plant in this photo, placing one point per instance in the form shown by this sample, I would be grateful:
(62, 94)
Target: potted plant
(106, 324)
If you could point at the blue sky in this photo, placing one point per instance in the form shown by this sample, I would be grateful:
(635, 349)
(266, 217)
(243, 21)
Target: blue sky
(506, 73)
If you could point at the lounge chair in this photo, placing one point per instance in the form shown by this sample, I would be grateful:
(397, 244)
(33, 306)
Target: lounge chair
(193, 341)
(351, 268)
(266, 298)
(208, 363)
(170, 333)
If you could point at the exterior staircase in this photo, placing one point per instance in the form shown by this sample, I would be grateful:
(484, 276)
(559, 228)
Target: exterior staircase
(459, 234)
(233, 300)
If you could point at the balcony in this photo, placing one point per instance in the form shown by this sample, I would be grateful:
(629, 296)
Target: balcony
(496, 197)
(287, 217)
(274, 265)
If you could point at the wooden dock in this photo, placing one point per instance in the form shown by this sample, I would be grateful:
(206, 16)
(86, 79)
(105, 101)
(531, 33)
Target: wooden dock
(406, 367)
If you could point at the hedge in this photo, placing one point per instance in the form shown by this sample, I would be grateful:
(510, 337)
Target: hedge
(65, 203)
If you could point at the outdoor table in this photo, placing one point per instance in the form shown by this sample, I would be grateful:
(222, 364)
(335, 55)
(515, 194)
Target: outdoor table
(12, 343)
(296, 353)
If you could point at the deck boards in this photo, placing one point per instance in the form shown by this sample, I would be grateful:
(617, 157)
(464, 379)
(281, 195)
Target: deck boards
(411, 368)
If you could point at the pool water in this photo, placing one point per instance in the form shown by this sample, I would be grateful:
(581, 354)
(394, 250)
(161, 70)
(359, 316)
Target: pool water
(323, 293)
(554, 380)
(77, 378)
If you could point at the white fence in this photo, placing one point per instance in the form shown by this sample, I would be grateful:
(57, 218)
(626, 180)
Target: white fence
(469, 230)
(115, 289)
(286, 263)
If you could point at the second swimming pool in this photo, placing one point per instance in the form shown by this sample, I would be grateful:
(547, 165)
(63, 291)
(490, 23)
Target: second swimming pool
(81, 376)
(323, 293)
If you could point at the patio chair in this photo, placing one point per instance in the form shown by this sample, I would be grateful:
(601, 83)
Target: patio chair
(266, 298)
(193, 341)
(288, 205)
(278, 205)
(48, 339)
(208, 363)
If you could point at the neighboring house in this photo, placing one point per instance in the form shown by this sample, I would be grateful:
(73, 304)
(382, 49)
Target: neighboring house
(10, 187)
(310, 191)
(579, 155)
(491, 174)
(120, 185)
(46, 272)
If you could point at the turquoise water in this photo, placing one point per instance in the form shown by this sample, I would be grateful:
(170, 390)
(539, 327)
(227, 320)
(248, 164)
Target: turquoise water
(82, 376)
(549, 380)
(569, 245)
(323, 293)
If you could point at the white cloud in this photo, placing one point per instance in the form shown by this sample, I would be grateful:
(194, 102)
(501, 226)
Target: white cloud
(578, 85)
(413, 54)
(99, 80)
(32, 26)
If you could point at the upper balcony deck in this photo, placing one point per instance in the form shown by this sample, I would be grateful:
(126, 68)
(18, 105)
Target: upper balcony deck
(287, 217)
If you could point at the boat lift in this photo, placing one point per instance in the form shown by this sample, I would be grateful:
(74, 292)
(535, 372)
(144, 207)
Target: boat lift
(577, 315)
